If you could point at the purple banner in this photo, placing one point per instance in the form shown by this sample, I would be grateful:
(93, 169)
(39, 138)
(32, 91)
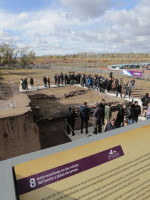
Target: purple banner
(136, 73)
(48, 177)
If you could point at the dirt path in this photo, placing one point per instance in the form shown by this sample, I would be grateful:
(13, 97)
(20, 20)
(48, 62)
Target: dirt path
(19, 102)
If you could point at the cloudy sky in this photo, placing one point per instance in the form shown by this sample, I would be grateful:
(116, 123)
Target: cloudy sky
(72, 26)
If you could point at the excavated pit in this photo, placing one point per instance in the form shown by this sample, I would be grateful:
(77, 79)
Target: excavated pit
(49, 114)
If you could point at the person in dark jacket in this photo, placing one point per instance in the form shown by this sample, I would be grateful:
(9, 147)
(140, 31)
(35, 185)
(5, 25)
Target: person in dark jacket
(58, 79)
(136, 111)
(130, 114)
(66, 79)
(83, 80)
(84, 115)
(109, 82)
(48, 81)
(119, 90)
(102, 105)
(111, 75)
(121, 114)
(97, 118)
(145, 101)
(45, 81)
(70, 120)
(31, 82)
(62, 78)
(111, 125)
(78, 78)
(25, 82)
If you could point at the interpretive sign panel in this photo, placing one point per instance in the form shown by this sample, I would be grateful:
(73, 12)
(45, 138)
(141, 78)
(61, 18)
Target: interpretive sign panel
(114, 168)
(132, 73)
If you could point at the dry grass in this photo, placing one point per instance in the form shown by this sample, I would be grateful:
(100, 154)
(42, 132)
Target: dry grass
(90, 61)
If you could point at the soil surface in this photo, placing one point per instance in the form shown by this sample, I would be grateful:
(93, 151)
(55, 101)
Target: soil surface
(49, 108)
(49, 105)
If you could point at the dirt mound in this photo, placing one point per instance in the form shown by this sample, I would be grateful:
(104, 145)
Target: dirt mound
(73, 93)
(43, 96)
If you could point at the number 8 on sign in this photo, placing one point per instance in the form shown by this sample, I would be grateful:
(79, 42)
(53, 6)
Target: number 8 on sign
(32, 183)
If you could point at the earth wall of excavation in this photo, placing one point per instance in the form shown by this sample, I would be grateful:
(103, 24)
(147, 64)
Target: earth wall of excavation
(18, 135)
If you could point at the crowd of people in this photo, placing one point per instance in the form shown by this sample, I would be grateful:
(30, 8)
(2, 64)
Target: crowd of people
(102, 117)
(97, 82)
(46, 81)
(24, 83)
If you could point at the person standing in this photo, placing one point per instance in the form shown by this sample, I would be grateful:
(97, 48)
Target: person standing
(84, 115)
(31, 82)
(130, 114)
(119, 90)
(133, 84)
(48, 81)
(89, 81)
(78, 78)
(21, 84)
(97, 82)
(102, 104)
(136, 111)
(26, 84)
(97, 118)
(107, 114)
(70, 120)
(148, 111)
(55, 79)
(62, 78)
(109, 82)
(45, 81)
(126, 89)
(145, 101)
(120, 116)
(66, 79)
(113, 86)
(130, 89)
(83, 81)
(58, 79)
(111, 75)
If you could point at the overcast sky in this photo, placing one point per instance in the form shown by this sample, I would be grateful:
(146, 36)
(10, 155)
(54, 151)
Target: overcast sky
(72, 26)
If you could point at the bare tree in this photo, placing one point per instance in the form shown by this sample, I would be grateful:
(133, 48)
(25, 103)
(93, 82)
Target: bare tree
(10, 56)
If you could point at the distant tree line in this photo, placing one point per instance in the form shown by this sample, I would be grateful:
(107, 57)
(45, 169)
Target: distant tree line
(12, 56)
(98, 55)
